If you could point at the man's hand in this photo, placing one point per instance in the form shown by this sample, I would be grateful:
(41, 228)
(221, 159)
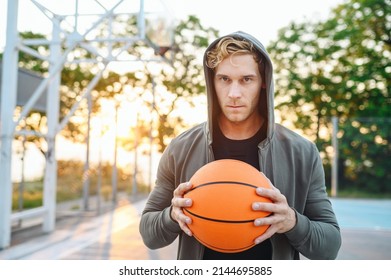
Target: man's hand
(282, 217)
(177, 203)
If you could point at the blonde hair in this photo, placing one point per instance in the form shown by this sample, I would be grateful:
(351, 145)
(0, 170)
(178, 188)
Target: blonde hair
(228, 46)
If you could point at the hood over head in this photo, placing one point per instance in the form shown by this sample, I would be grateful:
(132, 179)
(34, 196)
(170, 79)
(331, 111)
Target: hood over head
(267, 93)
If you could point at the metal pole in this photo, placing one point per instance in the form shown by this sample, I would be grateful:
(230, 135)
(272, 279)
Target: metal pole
(86, 173)
(52, 113)
(141, 20)
(99, 187)
(115, 171)
(151, 137)
(135, 187)
(334, 167)
(8, 98)
(99, 182)
(21, 185)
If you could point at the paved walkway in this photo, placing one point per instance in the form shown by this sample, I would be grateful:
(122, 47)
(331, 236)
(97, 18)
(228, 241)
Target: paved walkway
(366, 233)
(85, 235)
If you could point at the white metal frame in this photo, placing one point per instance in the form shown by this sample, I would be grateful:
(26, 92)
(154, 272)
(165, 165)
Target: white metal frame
(57, 60)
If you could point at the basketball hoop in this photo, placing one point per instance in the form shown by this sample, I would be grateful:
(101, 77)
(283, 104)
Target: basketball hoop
(160, 28)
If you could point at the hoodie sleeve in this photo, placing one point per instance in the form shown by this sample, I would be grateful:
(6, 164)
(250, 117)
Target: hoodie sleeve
(157, 228)
(316, 234)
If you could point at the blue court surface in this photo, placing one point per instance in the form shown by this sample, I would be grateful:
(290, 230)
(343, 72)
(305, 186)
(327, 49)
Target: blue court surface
(363, 213)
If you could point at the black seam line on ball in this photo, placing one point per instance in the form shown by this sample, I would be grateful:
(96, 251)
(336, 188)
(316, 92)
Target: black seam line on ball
(222, 182)
(217, 220)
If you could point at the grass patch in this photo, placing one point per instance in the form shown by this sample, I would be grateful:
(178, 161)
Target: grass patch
(356, 193)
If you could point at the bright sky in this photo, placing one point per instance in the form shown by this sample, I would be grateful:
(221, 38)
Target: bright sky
(261, 18)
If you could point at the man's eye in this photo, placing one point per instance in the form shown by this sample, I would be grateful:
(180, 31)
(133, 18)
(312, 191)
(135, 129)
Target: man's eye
(224, 79)
(247, 79)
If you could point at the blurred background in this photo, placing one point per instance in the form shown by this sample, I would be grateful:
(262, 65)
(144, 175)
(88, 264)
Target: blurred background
(103, 86)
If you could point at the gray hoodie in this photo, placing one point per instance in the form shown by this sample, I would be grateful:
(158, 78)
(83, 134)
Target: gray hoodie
(291, 162)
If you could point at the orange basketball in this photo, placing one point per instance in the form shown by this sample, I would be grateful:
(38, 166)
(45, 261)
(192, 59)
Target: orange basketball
(222, 217)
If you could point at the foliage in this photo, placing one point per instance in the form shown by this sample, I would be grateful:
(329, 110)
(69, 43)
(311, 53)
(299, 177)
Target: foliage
(187, 81)
(341, 67)
(70, 183)
(178, 83)
(365, 152)
(28, 61)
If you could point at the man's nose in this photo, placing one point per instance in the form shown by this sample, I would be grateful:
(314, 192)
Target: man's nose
(234, 90)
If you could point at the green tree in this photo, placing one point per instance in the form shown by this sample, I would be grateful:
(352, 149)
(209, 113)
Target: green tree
(341, 67)
(187, 79)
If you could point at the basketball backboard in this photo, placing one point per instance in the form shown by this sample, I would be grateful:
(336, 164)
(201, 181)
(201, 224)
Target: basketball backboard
(159, 27)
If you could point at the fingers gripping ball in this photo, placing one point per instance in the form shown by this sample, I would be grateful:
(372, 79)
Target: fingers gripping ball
(223, 192)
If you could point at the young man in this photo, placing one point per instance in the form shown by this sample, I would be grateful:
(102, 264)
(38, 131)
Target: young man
(241, 126)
